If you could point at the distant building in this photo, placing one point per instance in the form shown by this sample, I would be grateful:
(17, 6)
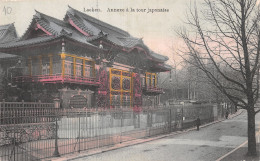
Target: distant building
(81, 60)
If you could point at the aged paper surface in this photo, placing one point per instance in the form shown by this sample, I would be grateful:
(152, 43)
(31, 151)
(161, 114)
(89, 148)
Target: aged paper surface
(75, 93)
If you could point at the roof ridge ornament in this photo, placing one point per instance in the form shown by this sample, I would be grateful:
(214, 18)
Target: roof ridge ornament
(38, 14)
(64, 32)
(100, 45)
(71, 10)
(101, 33)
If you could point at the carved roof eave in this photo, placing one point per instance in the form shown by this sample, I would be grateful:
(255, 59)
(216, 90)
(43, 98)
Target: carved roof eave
(139, 47)
(44, 41)
(96, 21)
(28, 30)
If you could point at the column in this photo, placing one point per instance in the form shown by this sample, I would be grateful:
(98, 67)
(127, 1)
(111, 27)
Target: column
(94, 69)
(121, 87)
(132, 89)
(51, 61)
(40, 64)
(74, 66)
(63, 56)
(30, 66)
(83, 69)
(95, 98)
(110, 87)
(155, 80)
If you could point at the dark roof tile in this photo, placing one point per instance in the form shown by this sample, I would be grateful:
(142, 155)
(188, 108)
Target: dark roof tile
(7, 33)
(6, 56)
(26, 42)
(97, 23)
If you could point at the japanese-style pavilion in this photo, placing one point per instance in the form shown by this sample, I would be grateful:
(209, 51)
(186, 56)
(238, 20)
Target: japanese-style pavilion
(81, 60)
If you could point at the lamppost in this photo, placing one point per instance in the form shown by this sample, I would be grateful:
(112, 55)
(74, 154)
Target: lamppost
(56, 150)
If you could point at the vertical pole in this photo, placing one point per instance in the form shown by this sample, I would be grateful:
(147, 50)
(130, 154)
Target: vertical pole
(139, 124)
(146, 77)
(40, 64)
(121, 126)
(51, 62)
(83, 69)
(14, 143)
(74, 67)
(63, 56)
(30, 66)
(56, 151)
(155, 80)
(131, 89)
(79, 134)
(110, 87)
(170, 120)
(150, 122)
(182, 118)
(121, 88)
(151, 80)
(93, 68)
(95, 98)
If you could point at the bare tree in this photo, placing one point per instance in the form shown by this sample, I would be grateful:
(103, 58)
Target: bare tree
(223, 37)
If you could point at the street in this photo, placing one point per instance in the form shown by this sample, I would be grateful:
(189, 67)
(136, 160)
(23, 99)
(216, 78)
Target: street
(210, 143)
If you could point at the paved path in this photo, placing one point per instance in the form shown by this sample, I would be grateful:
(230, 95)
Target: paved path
(210, 143)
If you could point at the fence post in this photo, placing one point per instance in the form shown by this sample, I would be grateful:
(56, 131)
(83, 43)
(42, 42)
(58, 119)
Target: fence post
(134, 119)
(138, 120)
(170, 120)
(56, 151)
(13, 141)
(182, 118)
(150, 122)
(23, 103)
(79, 134)
(39, 103)
(121, 126)
(3, 103)
(56, 102)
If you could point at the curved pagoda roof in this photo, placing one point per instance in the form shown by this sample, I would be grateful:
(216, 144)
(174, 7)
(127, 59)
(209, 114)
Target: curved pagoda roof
(91, 26)
(80, 27)
(7, 33)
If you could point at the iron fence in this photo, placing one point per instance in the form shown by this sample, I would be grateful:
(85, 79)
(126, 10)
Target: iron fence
(39, 133)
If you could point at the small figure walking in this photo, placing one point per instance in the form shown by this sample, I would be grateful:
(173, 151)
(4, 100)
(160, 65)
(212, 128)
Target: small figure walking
(198, 123)
(226, 114)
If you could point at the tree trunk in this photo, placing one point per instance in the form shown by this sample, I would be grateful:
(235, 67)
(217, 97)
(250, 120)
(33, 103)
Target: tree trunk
(251, 132)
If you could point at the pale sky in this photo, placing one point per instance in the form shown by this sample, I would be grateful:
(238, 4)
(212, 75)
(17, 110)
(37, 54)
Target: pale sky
(156, 29)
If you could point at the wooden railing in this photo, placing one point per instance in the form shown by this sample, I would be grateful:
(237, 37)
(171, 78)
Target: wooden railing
(4, 104)
(57, 78)
(152, 89)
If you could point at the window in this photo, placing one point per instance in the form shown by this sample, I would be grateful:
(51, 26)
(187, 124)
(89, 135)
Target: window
(79, 67)
(115, 100)
(89, 69)
(68, 68)
(120, 91)
(46, 69)
(79, 70)
(153, 81)
(150, 79)
(126, 101)
(143, 81)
